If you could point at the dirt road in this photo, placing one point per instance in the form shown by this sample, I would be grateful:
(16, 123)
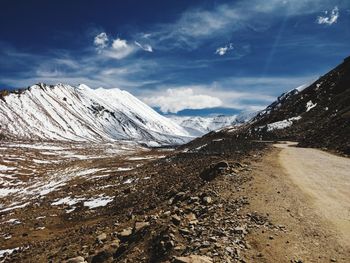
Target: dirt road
(326, 179)
(305, 194)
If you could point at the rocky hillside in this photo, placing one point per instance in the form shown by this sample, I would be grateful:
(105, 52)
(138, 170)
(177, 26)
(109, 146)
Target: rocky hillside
(67, 113)
(315, 116)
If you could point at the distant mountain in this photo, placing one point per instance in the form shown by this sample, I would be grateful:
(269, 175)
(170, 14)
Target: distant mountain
(198, 126)
(67, 113)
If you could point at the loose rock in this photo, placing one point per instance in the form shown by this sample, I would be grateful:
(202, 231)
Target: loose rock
(193, 259)
(76, 260)
(214, 170)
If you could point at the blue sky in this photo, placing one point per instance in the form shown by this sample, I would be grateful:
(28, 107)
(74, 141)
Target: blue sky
(186, 57)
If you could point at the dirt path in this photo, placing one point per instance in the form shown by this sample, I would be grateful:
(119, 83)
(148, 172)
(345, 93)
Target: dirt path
(304, 194)
(326, 179)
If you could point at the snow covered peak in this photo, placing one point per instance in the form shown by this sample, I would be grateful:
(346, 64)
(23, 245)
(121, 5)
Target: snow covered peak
(198, 126)
(83, 87)
(64, 112)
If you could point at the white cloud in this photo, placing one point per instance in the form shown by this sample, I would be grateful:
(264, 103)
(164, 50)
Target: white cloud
(101, 41)
(223, 50)
(145, 47)
(119, 49)
(177, 99)
(243, 93)
(329, 18)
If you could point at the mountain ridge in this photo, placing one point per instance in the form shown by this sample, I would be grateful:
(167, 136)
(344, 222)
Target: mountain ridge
(68, 113)
(315, 115)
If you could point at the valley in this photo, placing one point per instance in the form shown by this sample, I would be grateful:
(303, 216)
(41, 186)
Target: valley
(153, 205)
(111, 180)
(175, 131)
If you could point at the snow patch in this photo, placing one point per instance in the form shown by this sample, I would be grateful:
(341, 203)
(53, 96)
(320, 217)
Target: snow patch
(310, 105)
(9, 251)
(14, 207)
(279, 125)
(67, 201)
(120, 169)
(98, 202)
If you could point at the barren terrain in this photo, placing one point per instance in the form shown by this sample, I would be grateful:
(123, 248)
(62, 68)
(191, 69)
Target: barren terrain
(221, 200)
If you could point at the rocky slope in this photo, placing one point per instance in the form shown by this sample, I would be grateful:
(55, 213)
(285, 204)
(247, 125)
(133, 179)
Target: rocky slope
(146, 206)
(315, 116)
(67, 113)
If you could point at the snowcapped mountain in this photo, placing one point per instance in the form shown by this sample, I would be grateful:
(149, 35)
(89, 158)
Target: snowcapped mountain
(197, 126)
(67, 113)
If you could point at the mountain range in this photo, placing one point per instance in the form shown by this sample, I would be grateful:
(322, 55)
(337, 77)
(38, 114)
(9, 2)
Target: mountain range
(67, 113)
(316, 115)
(198, 126)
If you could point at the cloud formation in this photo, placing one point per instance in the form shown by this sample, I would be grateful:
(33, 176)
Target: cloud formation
(196, 25)
(217, 94)
(145, 47)
(119, 49)
(101, 41)
(177, 99)
(330, 17)
(223, 50)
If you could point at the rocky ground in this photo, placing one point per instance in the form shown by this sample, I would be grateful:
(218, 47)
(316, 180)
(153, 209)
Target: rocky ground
(199, 203)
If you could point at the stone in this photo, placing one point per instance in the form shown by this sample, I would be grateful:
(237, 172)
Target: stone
(214, 170)
(207, 200)
(115, 243)
(101, 257)
(179, 248)
(126, 233)
(184, 231)
(194, 199)
(140, 225)
(101, 237)
(176, 219)
(239, 230)
(166, 213)
(191, 217)
(180, 196)
(193, 259)
(76, 260)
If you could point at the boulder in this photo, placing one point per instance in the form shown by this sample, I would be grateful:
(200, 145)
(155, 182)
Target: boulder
(125, 234)
(101, 237)
(214, 170)
(140, 225)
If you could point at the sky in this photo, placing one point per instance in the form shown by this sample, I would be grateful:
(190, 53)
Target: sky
(185, 57)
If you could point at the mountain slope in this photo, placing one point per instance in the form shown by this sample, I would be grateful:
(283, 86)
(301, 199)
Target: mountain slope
(198, 126)
(316, 116)
(67, 113)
